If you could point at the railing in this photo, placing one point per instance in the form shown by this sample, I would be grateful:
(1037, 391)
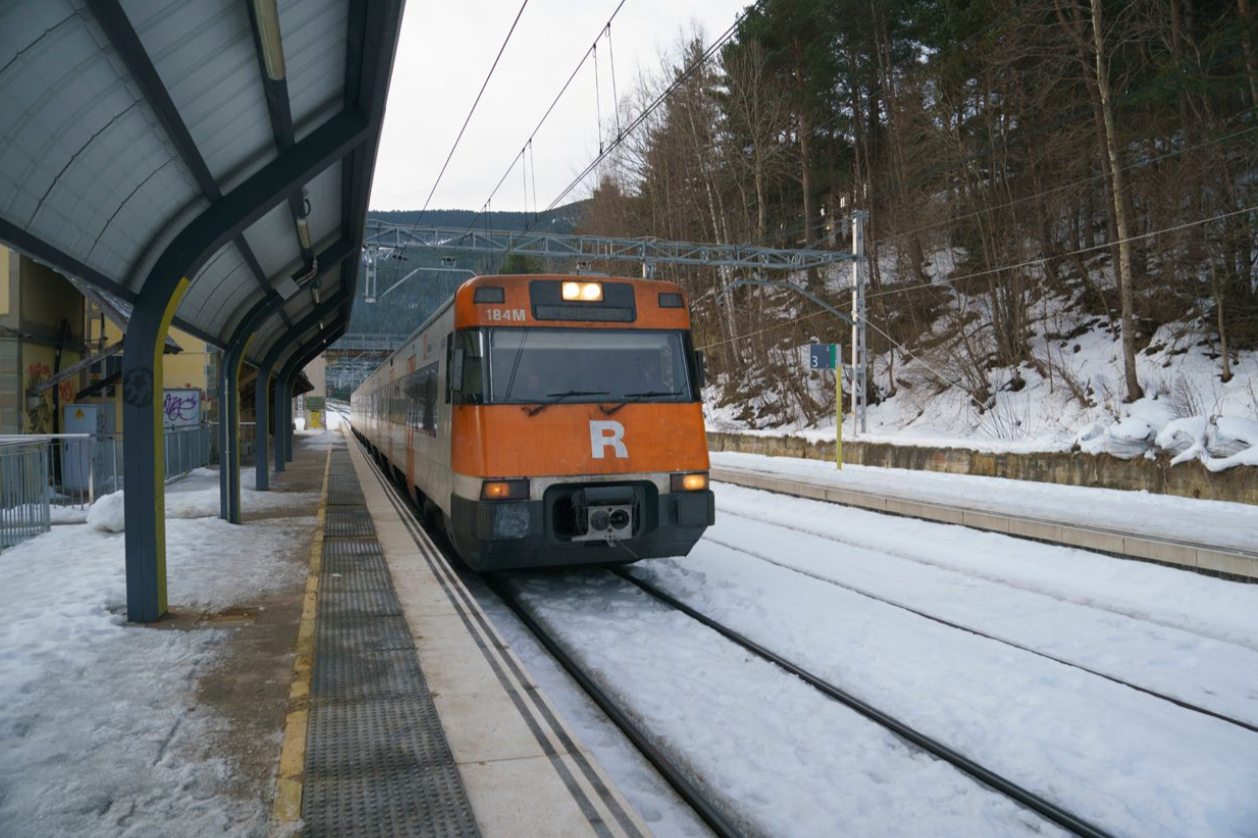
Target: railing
(248, 439)
(187, 447)
(38, 472)
(24, 491)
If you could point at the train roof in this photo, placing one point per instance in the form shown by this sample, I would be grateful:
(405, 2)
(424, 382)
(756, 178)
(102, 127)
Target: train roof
(541, 300)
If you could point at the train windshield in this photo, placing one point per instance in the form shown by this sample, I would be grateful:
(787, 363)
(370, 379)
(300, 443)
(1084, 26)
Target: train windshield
(537, 366)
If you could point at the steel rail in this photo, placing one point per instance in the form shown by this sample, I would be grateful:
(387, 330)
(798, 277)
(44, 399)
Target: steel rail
(1186, 705)
(681, 784)
(1029, 799)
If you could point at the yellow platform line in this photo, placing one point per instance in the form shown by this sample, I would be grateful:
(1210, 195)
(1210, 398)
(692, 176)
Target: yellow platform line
(288, 784)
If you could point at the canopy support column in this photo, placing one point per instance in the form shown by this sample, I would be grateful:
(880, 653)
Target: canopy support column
(143, 467)
(158, 298)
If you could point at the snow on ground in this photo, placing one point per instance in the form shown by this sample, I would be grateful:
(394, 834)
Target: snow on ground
(941, 568)
(1178, 661)
(785, 759)
(197, 495)
(98, 732)
(1231, 525)
(1173, 598)
(1134, 764)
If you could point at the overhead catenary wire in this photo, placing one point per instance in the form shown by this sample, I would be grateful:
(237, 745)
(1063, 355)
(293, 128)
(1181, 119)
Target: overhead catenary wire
(545, 116)
(611, 63)
(681, 78)
(470, 112)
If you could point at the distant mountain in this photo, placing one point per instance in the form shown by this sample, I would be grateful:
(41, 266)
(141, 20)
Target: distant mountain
(563, 219)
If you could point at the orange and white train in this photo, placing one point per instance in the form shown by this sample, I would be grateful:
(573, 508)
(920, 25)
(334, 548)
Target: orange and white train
(549, 420)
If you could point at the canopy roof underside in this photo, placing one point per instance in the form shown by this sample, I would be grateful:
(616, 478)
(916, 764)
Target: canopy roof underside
(127, 120)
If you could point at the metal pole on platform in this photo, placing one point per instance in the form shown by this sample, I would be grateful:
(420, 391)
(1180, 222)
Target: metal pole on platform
(838, 406)
(859, 354)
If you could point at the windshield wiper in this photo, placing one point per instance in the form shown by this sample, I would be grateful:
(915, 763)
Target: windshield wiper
(637, 397)
(555, 398)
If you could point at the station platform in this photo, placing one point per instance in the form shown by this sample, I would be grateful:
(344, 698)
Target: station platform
(408, 714)
(1110, 523)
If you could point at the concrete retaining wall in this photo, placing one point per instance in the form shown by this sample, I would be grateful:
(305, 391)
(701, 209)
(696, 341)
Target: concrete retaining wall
(1189, 480)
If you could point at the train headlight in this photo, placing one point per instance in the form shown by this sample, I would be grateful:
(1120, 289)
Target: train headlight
(689, 482)
(589, 292)
(504, 490)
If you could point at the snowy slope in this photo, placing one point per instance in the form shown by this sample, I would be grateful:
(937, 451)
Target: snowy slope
(1037, 407)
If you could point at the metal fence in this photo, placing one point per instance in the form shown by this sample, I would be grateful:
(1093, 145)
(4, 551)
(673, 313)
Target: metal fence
(38, 473)
(24, 490)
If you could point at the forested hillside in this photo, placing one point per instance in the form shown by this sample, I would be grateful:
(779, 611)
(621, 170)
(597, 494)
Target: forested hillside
(1060, 196)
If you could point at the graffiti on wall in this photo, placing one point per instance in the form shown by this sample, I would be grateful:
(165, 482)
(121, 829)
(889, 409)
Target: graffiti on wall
(181, 407)
(39, 414)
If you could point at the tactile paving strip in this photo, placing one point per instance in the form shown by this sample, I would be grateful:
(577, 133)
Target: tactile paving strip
(377, 760)
(343, 492)
(349, 522)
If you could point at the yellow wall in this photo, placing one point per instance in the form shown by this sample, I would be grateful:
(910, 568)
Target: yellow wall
(48, 298)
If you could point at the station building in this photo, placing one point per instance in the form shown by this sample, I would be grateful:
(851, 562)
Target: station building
(60, 344)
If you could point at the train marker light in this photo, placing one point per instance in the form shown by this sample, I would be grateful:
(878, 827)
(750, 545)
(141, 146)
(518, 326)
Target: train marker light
(504, 490)
(689, 482)
(589, 292)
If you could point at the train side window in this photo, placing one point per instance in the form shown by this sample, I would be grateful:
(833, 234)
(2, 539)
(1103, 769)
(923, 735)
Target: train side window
(421, 399)
(449, 363)
(469, 345)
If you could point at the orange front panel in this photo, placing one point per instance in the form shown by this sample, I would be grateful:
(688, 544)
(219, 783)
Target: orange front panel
(516, 310)
(504, 441)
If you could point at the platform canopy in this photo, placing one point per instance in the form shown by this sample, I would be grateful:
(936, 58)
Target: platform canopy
(207, 163)
(125, 121)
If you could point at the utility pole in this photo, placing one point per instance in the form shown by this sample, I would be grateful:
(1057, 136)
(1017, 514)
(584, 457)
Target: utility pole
(370, 256)
(859, 353)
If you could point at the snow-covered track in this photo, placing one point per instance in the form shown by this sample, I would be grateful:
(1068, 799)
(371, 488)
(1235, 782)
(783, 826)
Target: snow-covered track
(688, 791)
(993, 780)
(924, 557)
(1187, 705)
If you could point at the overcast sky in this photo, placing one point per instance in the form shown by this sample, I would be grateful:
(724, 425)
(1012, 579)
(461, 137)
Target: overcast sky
(447, 48)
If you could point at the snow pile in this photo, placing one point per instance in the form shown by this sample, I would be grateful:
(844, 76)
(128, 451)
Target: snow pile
(108, 513)
(1219, 442)
(1235, 438)
(1129, 437)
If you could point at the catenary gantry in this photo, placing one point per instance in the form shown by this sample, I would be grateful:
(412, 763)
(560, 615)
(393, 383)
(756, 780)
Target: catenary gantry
(383, 236)
(208, 162)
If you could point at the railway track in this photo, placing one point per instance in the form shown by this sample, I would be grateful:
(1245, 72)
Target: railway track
(863, 544)
(718, 821)
(1024, 797)
(1186, 705)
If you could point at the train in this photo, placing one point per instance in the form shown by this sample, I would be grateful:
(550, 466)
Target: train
(548, 420)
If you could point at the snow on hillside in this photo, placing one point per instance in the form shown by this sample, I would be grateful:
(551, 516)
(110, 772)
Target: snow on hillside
(1072, 397)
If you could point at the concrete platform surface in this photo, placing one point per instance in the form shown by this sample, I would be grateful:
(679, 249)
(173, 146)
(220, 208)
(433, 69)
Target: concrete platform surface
(524, 771)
